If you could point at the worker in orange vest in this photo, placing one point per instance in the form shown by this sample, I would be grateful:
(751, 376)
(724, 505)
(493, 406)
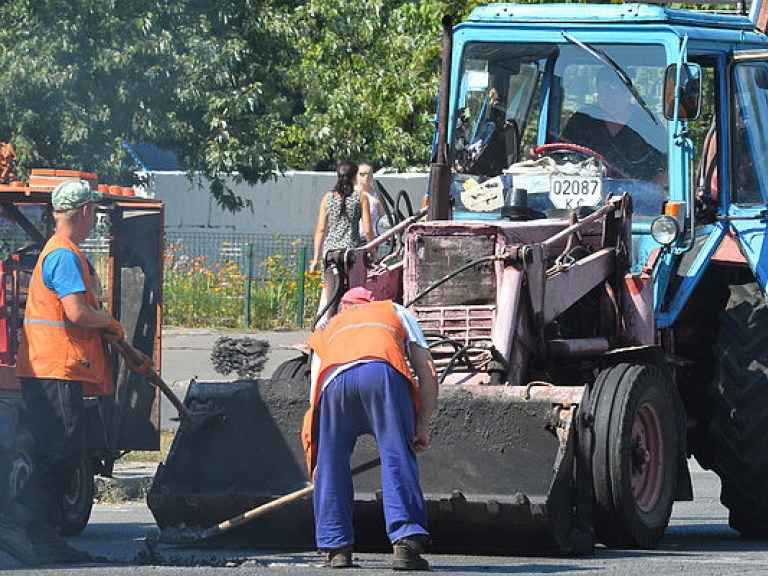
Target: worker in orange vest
(61, 358)
(361, 384)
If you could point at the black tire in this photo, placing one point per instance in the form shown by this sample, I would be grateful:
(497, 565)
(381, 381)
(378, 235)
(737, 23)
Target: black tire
(635, 452)
(739, 425)
(78, 499)
(16, 466)
(293, 369)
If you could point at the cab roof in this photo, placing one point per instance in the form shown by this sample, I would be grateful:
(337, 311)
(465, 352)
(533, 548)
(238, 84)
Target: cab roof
(608, 13)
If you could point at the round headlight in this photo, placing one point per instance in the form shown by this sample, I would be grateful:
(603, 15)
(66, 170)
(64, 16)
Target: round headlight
(665, 230)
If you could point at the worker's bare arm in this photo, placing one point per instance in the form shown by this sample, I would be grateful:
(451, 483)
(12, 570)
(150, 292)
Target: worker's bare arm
(80, 313)
(422, 363)
(322, 223)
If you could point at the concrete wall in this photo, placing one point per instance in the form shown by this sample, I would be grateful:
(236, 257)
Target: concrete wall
(287, 205)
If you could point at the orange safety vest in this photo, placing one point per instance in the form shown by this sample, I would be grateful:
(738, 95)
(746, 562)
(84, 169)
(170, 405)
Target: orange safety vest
(51, 345)
(367, 331)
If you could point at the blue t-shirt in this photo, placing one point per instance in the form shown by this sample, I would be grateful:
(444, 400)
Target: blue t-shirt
(62, 272)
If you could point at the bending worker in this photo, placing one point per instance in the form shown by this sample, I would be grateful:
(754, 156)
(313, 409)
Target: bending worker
(361, 384)
(61, 358)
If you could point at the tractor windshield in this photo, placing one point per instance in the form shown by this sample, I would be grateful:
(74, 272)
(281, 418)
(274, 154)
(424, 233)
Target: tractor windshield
(567, 122)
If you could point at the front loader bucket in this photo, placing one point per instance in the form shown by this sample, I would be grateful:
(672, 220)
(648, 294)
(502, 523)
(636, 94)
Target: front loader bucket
(498, 478)
(245, 456)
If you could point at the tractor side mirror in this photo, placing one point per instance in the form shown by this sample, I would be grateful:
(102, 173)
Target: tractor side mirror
(689, 103)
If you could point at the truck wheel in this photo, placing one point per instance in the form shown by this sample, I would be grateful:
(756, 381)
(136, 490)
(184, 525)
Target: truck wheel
(293, 369)
(78, 499)
(16, 466)
(634, 456)
(739, 425)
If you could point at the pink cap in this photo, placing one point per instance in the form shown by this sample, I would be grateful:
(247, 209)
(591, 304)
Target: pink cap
(358, 295)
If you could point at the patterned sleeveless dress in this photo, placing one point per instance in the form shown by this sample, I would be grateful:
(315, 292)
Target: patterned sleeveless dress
(340, 231)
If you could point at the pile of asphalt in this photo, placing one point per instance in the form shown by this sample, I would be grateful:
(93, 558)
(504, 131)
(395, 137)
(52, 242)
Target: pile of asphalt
(245, 356)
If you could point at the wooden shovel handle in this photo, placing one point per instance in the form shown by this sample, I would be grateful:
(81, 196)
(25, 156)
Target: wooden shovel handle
(133, 358)
(274, 504)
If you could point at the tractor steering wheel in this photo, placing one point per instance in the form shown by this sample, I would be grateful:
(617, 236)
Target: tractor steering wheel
(562, 150)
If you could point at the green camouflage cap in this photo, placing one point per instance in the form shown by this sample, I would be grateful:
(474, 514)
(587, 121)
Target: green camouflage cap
(73, 194)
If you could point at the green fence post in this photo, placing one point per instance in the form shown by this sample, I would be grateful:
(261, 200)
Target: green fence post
(248, 281)
(302, 271)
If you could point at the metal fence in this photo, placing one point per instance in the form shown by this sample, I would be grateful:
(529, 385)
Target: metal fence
(220, 246)
(238, 280)
(217, 279)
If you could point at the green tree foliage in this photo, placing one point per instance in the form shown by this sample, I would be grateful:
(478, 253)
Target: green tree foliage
(77, 80)
(367, 73)
(233, 87)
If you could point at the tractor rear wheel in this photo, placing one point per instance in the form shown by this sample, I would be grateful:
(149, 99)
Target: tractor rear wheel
(293, 369)
(635, 454)
(739, 424)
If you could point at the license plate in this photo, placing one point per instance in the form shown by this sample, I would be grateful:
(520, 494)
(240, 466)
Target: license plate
(574, 191)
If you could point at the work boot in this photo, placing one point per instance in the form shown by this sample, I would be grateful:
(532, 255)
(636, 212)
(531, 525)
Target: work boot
(407, 553)
(339, 558)
(52, 549)
(16, 542)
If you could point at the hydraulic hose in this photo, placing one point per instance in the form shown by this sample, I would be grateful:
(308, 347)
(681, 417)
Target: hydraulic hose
(442, 339)
(458, 348)
(341, 279)
(453, 359)
(389, 211)
(386, 201)
(403, 196)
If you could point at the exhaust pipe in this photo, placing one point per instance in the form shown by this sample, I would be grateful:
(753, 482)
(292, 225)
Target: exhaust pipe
(440, 171)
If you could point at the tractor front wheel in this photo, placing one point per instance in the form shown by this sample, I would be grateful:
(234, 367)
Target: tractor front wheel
(635, 451)
(294, 369)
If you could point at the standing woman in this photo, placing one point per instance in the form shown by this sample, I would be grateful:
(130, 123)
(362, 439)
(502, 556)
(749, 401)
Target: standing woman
(338, 221)
(364, 181)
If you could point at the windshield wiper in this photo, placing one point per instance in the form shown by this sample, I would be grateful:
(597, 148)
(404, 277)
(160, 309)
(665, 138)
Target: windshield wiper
(618, 70)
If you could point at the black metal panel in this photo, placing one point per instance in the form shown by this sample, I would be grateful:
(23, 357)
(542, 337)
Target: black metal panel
(138, 277)
(441, 255)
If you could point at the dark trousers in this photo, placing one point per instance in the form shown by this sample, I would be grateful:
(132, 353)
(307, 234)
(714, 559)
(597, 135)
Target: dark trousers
(371, 398)
(55, 417)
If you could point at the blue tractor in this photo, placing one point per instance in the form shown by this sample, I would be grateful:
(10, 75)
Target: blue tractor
(553, 109)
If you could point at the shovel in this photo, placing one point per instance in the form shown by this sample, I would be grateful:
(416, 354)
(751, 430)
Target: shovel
(133, 358)
(189, 534)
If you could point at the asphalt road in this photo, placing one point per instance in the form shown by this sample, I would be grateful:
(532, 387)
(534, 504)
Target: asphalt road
(698, 543)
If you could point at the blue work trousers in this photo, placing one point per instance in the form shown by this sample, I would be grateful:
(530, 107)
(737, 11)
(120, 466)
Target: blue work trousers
(371, 398)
